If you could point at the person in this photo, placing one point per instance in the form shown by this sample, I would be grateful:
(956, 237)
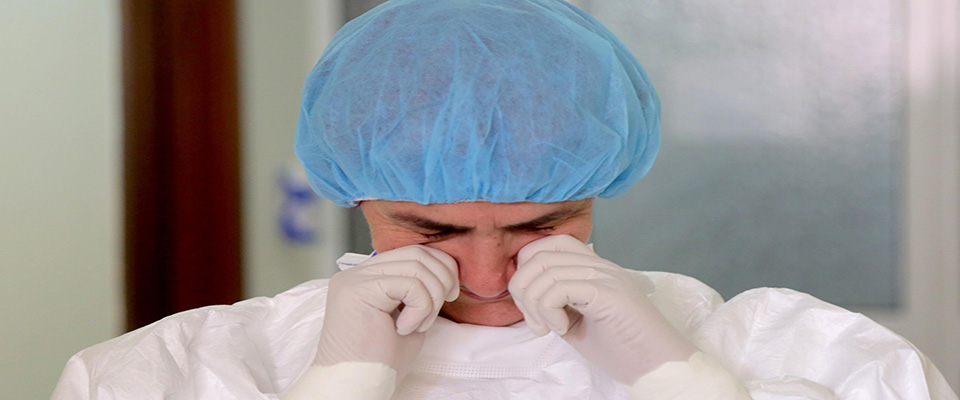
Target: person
(474, 135)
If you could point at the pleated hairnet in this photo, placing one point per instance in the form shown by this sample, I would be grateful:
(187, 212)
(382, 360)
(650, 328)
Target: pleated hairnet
(442, 101)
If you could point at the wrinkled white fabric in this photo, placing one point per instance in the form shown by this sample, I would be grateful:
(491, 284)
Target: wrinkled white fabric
(780, 344)
(346, 380)
(462, 361)
(699, 378)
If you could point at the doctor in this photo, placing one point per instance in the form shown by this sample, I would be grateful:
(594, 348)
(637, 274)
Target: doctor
(474, 135)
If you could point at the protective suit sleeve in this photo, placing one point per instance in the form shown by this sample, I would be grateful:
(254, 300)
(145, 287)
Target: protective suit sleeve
(700, 378)
(255, 349)
(784, 344)
(346, 380)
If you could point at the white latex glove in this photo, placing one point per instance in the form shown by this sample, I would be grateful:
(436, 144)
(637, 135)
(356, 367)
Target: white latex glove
(364, 319)
(561, 285)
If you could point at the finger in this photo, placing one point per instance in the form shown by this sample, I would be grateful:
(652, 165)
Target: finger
(446, 268)
(533, 321)
(517, 288)
(533, 294)
(417, 270)
(545, 260)
(553, 243)
(418, 304)
(440, 264)
(443, 266)
(531, 270)
(413, 269)
(577, 294)
(531, 264)
(548, 278)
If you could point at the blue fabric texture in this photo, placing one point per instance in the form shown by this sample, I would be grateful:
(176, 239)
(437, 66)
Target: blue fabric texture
(444, 101)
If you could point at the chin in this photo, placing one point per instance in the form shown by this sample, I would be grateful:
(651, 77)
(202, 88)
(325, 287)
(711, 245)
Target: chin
(500, 313)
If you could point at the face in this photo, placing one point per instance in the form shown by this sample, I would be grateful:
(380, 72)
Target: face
(484, 238)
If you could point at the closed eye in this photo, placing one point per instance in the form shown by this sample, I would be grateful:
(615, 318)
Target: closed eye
(540, 229)
(442, 234)
(532, 229)
(438, 235)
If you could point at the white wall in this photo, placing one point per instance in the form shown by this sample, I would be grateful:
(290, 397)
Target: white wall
(279, 44)
(60, 243)
(930, 315)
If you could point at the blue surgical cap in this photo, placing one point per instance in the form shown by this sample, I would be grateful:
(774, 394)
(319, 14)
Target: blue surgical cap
(443, 101)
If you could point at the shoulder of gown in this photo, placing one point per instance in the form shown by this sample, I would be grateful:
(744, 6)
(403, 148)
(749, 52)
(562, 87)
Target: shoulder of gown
(254, 349)
(786, 344)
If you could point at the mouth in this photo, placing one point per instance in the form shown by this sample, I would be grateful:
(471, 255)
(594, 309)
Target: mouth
(473, 295)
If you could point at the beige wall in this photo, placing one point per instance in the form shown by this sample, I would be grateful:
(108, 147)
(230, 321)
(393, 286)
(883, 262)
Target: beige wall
(60, 257)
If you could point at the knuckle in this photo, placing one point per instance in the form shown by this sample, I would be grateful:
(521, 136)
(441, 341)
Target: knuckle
(444, 257)
(412, 265)
(558, 242)
(514, 286)
(435, 254)
(537, 258)
(416, 251)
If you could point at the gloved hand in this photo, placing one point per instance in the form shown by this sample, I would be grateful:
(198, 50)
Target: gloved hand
(377, 311)
(376, 314)
(561, 285)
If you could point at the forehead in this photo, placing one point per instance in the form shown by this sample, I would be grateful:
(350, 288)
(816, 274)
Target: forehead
(476, 213)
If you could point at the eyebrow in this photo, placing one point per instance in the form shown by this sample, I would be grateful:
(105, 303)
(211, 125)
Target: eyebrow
(546, 219)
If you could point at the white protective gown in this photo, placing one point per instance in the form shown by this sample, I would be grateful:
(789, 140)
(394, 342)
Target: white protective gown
(780, 343)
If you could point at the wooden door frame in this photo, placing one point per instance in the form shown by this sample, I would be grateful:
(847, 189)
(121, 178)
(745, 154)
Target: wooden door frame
(182, 238)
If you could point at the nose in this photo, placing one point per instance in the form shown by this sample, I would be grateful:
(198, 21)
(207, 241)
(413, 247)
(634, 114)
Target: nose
(486, 266)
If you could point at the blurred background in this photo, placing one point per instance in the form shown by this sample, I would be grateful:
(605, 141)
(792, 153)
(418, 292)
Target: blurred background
(147, 167)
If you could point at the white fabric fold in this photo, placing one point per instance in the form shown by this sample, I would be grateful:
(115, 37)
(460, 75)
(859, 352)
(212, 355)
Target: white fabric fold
(347, 380)
(700, 378)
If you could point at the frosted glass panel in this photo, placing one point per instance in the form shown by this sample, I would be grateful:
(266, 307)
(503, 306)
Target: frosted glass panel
(781, 133)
